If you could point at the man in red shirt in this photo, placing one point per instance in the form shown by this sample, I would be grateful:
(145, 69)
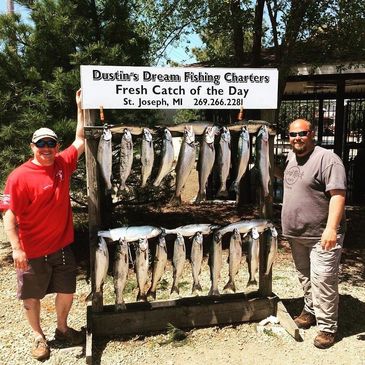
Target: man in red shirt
(38, 223)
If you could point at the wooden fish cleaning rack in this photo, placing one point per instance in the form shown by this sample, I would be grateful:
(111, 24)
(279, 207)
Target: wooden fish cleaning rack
(188, 312)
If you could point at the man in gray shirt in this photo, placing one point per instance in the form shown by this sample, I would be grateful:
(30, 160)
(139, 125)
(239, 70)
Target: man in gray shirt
(313, 221)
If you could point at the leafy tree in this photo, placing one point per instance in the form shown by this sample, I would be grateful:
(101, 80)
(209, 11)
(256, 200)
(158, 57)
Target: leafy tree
(39, 66)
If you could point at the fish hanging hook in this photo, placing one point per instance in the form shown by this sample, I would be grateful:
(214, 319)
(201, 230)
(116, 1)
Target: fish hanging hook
(241, 114)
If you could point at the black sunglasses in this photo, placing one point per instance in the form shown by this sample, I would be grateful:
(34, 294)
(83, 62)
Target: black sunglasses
(42, 143)
(300, 134)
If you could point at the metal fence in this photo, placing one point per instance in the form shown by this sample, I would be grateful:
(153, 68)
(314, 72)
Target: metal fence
(322, 114)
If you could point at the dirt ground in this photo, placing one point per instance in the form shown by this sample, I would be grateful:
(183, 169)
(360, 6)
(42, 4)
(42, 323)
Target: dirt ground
(245, 343)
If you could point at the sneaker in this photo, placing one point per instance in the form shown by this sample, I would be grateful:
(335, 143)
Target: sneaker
(40, 350)
(305, 320)
(71, 336)
(324, 340)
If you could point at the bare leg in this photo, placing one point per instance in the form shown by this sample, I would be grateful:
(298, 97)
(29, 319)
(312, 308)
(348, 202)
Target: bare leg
(32, 309)
(63, 304)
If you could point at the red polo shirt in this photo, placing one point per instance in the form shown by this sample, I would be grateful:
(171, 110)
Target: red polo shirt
(39, 198)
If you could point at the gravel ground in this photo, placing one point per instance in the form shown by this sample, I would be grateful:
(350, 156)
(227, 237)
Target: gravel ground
(241, 344)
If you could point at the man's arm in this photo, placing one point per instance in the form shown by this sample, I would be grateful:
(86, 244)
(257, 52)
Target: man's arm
(335, 212)
(19, 256)
(79, 141)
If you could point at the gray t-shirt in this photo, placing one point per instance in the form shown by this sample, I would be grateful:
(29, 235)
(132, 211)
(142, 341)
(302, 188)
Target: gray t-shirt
(307, 182)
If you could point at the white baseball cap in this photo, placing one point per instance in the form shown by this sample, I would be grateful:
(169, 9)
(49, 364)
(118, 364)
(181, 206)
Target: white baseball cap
(44, 133)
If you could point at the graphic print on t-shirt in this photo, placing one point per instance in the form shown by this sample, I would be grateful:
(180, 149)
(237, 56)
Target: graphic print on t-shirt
(293, 174)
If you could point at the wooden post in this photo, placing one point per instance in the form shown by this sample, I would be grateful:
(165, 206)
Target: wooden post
(265, 281)
(93, 194)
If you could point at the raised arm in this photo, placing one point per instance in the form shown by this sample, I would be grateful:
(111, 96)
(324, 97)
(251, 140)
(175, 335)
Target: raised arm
(79, 141)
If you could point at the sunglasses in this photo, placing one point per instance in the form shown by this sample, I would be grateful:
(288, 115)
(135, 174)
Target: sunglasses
(42, 143)
(300, 134)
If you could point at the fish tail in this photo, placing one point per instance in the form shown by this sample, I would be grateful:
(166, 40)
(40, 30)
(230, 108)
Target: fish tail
(157, 182)
(120, 307)
(234, 186)
(152, 294)
(222, 192)
(176, 200)
(141, 297)
(175, 289)
(251, 282)
(196, 287)
(213, 291)
(230, 286)
(200, 197)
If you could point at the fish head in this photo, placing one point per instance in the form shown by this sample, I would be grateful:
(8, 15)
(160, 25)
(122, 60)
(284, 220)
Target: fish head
(209, 134)
(255, 233)
(167, 134)
(107, 134)
(143, 244)
(122, 247)
(162, 240)
(236, 234)
(217, 237)
(263, 133)
(245, 135)
(189, 135)
(127, 135)
(147, 135)
(225, 135)
(198, 238)
(180, 238)
(274, 232)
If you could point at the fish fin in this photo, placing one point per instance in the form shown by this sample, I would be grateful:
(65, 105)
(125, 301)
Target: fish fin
(120, 307)
(222, 193)
(234, 186)
(230, 286)
(151, 293)
(141, 297)
(89, 297)
(176, 200)
(196, 287)
(251, 282)
(200, 197)
(213, 292)
(175, 289)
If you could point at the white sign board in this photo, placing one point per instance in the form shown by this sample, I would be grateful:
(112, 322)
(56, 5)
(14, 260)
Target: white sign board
(127, 87)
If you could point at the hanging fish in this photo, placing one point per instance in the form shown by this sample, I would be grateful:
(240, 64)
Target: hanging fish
(273, 249)
(262, 161)
(246, 226)
(167, 158)
(121, 267)
(215, 263)
(101, 264)
(224, 161)
(126, 157)
(178, 261)
(131, 233)
(235, 256)
(196, 260)
(185, 162)
(104, 157)
(147, 155)
(191, 229)
(253, 256)
(206, 161)
(142, 268)
(159, 265)
(243, 157)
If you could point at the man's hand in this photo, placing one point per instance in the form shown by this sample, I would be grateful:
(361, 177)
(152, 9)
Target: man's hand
(20, 259)
(328, 239)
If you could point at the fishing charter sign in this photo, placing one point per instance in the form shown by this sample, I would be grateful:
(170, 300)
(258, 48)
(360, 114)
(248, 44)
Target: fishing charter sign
(128, 87)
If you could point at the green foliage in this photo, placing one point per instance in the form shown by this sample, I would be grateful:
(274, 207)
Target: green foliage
(39, 66)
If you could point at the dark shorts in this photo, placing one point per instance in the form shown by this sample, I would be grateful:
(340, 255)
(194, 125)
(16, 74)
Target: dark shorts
(54, 273)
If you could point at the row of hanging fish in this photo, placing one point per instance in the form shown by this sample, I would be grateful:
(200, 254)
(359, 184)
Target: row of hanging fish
(251, 229)
(187, 157)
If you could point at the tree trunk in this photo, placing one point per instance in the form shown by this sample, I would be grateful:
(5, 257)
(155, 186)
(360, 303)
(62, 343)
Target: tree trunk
(10, 6)
(256, 47)
(237, 32)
